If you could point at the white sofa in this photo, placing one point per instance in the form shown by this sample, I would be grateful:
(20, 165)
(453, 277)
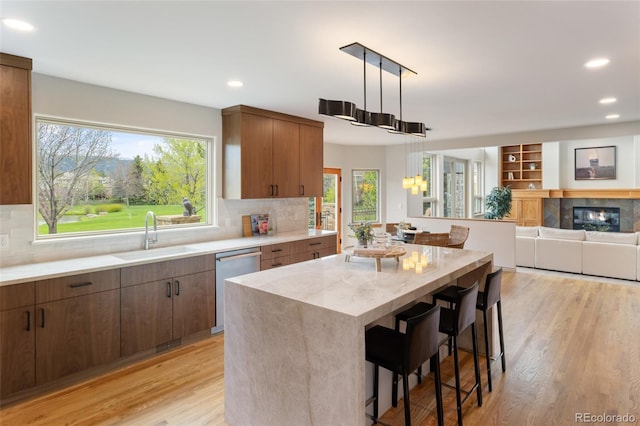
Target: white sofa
(606, 254)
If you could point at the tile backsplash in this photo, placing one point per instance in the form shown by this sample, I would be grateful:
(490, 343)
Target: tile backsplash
(17, 221)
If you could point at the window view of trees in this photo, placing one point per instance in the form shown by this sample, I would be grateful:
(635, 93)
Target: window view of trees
(94, 179)
(365, 196)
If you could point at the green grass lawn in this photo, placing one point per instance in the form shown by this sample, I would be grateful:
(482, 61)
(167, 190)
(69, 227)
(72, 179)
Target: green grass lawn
(129, 217)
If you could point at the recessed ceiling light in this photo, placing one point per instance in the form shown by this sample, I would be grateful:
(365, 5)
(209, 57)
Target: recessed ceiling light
(17, 24)
(608, 100)
(597, 63)
(235, 83)
(612, 116)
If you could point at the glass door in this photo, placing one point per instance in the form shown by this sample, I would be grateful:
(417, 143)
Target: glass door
(326, 212)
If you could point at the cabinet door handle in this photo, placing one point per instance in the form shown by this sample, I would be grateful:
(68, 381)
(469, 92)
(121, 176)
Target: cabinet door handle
(315, 244)
(177, 288)
(41, 317)
(301, 189)
(28, 320)
(169, 289)
(271, 194)
(276, 250)
(80, 284)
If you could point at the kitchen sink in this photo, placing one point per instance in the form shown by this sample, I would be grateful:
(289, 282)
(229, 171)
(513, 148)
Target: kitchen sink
(154, 253)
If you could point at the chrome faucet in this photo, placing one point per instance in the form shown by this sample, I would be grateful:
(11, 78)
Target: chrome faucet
(154, 238)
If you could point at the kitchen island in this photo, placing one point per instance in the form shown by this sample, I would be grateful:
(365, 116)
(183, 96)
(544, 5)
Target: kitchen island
(294, 336)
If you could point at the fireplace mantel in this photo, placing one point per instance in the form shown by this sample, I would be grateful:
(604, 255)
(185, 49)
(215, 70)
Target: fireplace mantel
(626, 193)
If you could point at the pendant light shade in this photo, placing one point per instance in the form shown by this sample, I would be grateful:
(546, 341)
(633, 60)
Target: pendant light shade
(363, 118)
(416, 129)
(339, 109)
(383, 120)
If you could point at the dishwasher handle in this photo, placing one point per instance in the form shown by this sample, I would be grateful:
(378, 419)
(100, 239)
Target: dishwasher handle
(238, 256)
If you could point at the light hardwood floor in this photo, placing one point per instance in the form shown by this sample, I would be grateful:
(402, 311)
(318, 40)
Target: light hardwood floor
(572, 346)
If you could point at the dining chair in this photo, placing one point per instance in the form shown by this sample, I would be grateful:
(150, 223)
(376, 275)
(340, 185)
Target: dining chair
(458, 236)
(432, 239)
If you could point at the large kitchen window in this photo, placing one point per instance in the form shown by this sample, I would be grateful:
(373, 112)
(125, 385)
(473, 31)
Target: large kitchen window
(96, 179)
(365, 196)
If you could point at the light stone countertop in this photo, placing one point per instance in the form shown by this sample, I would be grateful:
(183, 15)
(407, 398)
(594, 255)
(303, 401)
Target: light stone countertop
(355, 289)
(17, 274)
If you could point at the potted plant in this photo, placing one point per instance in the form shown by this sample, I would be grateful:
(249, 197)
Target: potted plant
(498, 203)
(363, 232)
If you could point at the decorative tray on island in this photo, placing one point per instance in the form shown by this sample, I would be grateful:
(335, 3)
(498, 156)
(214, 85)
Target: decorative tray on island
(376, 252)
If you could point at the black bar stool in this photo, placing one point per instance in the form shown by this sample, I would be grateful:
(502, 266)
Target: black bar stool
(452, 323)
(486, 299)
(402, 353)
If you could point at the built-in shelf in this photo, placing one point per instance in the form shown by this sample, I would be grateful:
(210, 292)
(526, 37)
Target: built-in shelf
(521, 166)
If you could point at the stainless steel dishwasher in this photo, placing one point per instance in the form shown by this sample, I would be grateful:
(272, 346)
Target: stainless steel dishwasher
(231, 264)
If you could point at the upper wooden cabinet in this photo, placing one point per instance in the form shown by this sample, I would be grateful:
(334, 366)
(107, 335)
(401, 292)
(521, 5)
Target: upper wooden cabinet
(521, 166)
(15, 129)
(268, 154)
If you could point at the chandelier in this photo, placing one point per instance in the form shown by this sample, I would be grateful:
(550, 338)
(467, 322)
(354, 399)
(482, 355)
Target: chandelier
(361, 117)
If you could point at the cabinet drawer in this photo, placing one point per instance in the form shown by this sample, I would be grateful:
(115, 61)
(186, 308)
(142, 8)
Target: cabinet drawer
(313, 244)
(171, 268)
(275, 262)
(77, 285)
(275, 250)
(16, 296)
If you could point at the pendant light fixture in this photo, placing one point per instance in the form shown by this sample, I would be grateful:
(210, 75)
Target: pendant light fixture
(348, 111)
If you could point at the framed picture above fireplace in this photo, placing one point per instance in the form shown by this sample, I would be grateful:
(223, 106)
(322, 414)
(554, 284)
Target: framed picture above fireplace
(595, 163)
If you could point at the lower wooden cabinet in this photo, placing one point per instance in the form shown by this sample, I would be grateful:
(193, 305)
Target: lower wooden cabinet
(158, 312)
(52, 328)
(17, 354)
(17, 338)
(313, 248)
(275, 255)
(527, 211)
(77, 333)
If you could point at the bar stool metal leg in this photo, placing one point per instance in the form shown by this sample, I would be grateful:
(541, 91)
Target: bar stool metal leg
(504, 364)
(486, 347)
(376, 378)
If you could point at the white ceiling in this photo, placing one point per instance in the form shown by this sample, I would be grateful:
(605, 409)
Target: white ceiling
(483, 67)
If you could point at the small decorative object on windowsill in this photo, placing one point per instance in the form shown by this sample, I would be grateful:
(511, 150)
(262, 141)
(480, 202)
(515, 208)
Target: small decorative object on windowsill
(363, 232)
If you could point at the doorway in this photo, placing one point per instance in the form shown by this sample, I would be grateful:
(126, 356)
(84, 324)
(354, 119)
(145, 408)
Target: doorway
(327, 210)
